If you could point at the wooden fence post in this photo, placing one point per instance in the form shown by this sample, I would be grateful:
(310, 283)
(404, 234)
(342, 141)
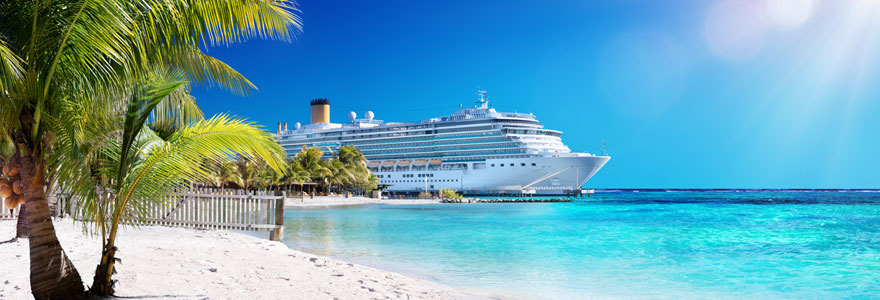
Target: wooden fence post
(278, 232)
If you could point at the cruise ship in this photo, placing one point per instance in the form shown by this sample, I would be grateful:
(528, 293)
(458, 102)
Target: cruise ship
(475, 150)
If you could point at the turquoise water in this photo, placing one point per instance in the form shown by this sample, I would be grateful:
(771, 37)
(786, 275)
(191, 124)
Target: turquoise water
(706, 245)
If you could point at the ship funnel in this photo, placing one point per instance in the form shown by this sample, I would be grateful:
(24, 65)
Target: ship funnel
(320, 111)
(279, 127)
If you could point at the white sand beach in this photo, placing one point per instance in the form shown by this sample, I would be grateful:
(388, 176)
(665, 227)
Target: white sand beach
(328, 201)
(175, 263)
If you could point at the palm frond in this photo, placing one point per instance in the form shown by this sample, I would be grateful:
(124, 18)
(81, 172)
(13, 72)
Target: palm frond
(11, 68)
(170, 166)
(220, 22)
(171, 32)
(205, 69)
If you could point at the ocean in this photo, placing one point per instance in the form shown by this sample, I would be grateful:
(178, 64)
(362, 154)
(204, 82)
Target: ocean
(619, 245)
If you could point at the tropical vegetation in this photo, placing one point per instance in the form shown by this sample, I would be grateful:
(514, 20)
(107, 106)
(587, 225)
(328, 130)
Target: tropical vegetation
(106, 82)
(118, 178)
(448, 193)
(344, 172)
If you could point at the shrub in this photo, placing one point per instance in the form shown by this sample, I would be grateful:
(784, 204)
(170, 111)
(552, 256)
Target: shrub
(449, 194)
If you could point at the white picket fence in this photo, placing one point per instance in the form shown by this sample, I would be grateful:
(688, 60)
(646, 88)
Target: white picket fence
(215, 209)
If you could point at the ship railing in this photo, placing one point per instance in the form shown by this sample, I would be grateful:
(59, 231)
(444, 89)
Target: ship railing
(519, 115)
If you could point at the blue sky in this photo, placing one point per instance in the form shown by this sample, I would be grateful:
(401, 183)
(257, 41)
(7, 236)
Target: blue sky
(733, 93)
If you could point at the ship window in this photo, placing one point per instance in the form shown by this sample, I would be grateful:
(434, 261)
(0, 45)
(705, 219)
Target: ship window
(493, 165)
(511, 165)
(501, 165)
(523, 164)
(533, 164)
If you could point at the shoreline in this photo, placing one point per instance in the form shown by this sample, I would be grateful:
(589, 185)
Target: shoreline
(336, 201)
(177, 263)
(319, 202)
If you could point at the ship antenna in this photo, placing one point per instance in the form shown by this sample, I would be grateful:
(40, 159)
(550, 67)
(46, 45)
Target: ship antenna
(484, 99)
(604, 153)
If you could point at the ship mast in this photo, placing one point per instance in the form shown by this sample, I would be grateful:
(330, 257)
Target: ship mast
(484, 99)
(604, 153)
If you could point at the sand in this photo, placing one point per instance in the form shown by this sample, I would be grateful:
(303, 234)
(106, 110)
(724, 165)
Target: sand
(176, 263)
(329, 201)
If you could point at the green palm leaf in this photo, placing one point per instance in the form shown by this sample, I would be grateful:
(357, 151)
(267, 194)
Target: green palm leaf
(11, 68)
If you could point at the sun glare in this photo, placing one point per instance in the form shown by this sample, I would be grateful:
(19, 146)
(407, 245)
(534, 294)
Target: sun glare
(789, 14)
(735, 29)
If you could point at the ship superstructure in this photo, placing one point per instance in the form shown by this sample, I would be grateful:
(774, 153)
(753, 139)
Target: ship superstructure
(476, 150)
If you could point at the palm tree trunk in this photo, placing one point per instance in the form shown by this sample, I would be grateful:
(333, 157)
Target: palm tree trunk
(102, 284)
(21, 226)
(53, 276)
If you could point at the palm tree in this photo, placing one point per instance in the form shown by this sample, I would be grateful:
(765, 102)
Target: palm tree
(371, 184)
(339, 174)
(58, 54)
(249, 174)
(146, 169)
(7, 150)
(311, 163)
(351, 156)
(296, 174)
(222, 172)
(266, 177)
(244, 172)
(356, 164)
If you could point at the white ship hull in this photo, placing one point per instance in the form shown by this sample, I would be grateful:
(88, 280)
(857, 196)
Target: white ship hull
(548, 176)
